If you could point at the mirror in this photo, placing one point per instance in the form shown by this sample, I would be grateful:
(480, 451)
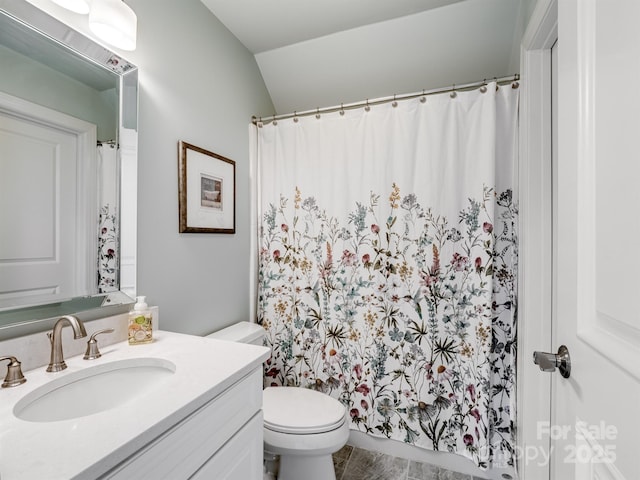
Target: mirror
(68, 173)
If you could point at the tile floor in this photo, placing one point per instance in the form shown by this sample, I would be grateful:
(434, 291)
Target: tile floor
(357, 464)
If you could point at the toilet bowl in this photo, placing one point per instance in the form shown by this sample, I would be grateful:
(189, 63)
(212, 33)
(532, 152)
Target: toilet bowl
(302, 426)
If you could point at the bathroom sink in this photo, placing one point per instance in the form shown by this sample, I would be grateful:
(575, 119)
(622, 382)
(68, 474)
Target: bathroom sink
(93, 390)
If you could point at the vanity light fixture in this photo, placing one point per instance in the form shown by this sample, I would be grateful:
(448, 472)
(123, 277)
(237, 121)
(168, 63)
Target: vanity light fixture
(77, 6)
(114, 22)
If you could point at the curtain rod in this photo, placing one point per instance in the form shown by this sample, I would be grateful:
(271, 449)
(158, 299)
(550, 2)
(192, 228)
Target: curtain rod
(259, 121)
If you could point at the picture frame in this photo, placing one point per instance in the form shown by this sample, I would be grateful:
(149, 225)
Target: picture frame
(206, 191)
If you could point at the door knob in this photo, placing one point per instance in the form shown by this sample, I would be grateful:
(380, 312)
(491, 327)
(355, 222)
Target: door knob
(548, 362)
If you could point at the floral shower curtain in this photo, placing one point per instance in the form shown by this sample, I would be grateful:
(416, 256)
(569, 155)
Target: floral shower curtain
(108, 222)
(387, 266)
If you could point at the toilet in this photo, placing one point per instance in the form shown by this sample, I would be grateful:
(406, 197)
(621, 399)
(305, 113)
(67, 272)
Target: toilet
(301, 426)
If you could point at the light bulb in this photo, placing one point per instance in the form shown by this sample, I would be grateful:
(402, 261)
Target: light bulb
(114, 22)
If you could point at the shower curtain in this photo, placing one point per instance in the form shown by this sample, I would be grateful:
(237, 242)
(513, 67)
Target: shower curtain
(108, 222)
(387, 266)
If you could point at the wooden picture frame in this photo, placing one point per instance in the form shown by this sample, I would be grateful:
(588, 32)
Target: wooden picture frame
(206, 191)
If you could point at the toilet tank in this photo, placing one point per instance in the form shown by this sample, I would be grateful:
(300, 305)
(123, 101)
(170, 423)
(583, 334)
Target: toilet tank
(242, 332)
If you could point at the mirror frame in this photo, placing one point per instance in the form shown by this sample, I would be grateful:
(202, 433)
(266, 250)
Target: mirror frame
(37, 318)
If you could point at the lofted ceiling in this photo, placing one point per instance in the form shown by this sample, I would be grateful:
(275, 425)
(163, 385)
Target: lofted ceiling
(280, 23)
(318, 54)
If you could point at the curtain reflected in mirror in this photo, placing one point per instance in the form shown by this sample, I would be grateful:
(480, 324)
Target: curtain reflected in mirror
(108, 220)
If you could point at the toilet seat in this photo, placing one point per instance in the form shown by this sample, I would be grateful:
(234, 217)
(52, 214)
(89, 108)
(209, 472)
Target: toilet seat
(301, 411)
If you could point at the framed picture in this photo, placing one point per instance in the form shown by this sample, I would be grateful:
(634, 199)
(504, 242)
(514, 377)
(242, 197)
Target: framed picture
(206, 191)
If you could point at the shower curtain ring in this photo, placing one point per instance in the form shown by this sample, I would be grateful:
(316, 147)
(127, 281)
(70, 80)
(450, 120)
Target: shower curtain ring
(483, 88)
(394, 104)
(318, 113)
(259, 123)
(341, 109)
(454, 94)
(274, 121)
(295, 116)
(423, 98)
(367, 107)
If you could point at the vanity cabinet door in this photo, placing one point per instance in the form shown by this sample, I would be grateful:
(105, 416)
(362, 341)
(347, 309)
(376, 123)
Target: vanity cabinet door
(182, 450)
(240, 458)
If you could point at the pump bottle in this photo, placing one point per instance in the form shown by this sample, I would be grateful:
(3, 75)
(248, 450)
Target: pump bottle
(140, 323)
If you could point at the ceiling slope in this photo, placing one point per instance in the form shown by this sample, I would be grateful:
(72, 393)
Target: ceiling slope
(264, 25)
(333, 54)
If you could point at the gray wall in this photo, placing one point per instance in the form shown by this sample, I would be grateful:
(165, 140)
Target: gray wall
(199, 84)
(37, 83)
(525, 11)
(530, 7)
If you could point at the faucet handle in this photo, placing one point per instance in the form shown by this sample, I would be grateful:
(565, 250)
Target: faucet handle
(14, 373)
(92, 345)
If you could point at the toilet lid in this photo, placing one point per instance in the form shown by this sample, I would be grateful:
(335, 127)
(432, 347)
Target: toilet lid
(300, 410)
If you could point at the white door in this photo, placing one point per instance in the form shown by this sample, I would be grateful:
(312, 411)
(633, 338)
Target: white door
(37, 209)
(46, 215)
(595, 421)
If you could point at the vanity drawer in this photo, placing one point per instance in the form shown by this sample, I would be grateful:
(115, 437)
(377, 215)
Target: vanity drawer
(183, 449)
(240, 458)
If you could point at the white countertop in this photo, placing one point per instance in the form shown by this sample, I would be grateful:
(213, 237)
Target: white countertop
(89, 446)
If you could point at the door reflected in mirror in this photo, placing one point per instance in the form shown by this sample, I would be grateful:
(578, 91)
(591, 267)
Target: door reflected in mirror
(68, 161)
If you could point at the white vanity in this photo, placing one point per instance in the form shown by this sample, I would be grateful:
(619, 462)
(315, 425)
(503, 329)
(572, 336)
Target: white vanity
(199, 419)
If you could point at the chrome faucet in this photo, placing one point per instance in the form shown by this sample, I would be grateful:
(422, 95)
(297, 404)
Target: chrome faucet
(57, 358)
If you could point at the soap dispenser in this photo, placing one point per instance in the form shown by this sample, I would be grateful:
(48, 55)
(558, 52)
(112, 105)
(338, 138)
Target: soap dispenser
(140, 329)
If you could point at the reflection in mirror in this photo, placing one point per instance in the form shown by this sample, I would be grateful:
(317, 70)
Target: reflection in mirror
(68, 160)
